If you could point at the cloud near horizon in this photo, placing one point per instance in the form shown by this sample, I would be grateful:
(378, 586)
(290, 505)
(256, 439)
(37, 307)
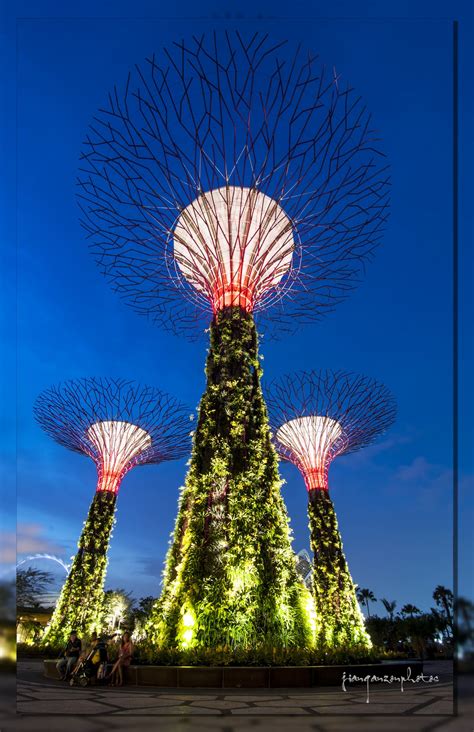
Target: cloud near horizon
(31, 539)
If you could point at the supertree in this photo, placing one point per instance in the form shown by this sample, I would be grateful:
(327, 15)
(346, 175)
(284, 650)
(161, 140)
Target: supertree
(220, 179)
(119, 424)
(316, 416)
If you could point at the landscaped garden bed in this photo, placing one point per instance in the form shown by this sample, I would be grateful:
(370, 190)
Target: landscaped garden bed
(255, 677)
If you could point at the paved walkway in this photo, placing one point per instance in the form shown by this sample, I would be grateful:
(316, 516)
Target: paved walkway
(46, 705)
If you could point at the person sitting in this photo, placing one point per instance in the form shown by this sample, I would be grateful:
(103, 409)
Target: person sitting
(123, 661)
(69, 656)
(85, 652)
(96, 658)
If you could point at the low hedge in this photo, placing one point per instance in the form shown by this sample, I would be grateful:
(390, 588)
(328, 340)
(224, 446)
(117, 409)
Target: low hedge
(259, 656)
(147, 654)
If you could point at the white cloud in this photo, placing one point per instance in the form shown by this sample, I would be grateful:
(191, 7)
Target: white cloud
(8, 548)
(418, 469)
(31, 539)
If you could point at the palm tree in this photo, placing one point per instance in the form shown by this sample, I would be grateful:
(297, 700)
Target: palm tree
(444, 600)
(389, 607)
(410, 610)
(31, 586)
(365, 596)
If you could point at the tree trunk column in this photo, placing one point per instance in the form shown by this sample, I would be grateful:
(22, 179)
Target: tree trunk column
(80, 604)
(230, 577)
(340, 620)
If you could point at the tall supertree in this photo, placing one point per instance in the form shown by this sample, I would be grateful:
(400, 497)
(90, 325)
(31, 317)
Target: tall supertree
(234, 177)
(315, 417)
(119, 424)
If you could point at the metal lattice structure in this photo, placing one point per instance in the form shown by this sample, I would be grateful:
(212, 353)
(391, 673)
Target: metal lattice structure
(233, 171)
(318, 415)
(117, 423)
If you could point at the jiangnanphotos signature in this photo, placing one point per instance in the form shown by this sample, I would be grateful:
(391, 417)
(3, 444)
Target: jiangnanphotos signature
(387, 679)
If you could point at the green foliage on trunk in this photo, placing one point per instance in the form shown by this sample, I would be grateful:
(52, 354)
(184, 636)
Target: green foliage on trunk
(80, 604)
(230, 578)
(340, 621)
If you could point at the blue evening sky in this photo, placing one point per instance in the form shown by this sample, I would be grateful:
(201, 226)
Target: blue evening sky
(393, 500)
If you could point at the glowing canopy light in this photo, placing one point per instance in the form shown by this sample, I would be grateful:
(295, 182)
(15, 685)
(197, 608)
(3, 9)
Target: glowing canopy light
(317, 415)
(117, 423)
(118, 443)
(233, 245)
(310, 440)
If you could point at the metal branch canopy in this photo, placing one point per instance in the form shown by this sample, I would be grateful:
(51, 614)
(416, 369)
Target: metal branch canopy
(117, 423)
(233, 171)
(318, 415)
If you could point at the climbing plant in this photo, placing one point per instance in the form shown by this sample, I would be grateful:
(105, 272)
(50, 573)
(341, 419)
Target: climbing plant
(230, 578)
(80, 604)
(340, 620)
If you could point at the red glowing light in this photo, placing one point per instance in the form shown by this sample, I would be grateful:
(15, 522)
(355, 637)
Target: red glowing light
(316, 479)
(109, 481)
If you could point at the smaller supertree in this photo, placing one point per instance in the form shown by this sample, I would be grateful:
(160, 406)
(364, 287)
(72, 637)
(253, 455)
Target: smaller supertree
(315, 417)
(119, 424)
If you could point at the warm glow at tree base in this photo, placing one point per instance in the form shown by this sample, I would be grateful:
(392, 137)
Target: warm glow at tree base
(230, 577)
(80, 603)
(316, 480)
(340, 620)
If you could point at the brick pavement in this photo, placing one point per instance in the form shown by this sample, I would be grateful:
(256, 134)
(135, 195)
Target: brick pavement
(48, 705)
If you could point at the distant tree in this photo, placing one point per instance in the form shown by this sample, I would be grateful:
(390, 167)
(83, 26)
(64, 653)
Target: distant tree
(143, 607)
(31, 585)
(117, 609)
(444, 611)
(420, 631)
(140, 613)
(29, 631)
(145, 604)
(381, 631)
(365, 596)
(7, 601)
(465, 629)
(389, 607)
(410, 610)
